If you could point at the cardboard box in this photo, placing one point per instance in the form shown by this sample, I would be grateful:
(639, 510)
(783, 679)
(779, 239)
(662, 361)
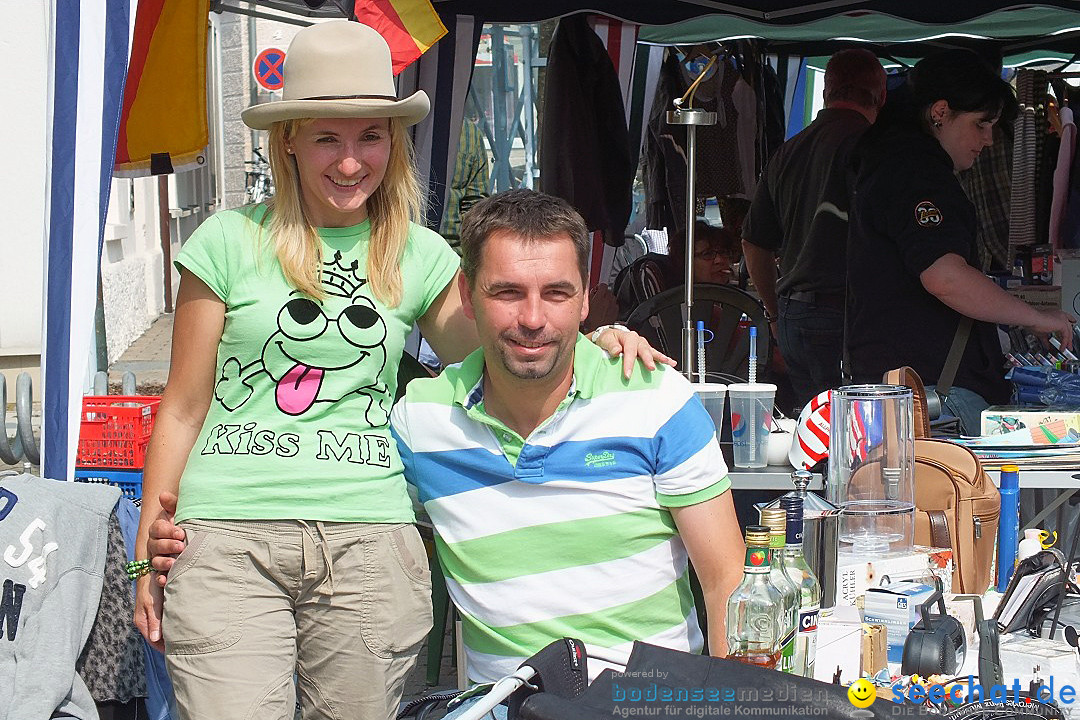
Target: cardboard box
(875, 648)
(1052, 661)
(839, 645)
(1043, 297)
(1068, 269)
(855, 574)
(896, 606)
(1000, 419)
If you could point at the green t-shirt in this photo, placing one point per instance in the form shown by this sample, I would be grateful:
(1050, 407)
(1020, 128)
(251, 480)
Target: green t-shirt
(297, 428)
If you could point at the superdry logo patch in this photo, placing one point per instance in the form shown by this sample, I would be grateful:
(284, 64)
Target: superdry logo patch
(927, 214)
(600, 459)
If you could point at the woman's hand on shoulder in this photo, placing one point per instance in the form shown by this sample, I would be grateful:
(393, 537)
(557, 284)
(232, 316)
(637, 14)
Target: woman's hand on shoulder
(618, 341)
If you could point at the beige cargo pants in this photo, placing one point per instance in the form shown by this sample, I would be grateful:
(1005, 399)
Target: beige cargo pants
(343, 606)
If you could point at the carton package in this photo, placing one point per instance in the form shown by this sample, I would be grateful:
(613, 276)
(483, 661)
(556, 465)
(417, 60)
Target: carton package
(896, 606)
(1051, 661)
(1070, 281)
(1001, 419)
(1043, 297)
(839, 645)
(855, 574)
(875, 648)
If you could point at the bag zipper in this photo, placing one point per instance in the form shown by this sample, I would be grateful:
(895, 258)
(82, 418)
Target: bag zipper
(955, 479)
(978, 520)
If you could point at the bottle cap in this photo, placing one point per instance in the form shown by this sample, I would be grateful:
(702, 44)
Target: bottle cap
(792, 505)
(1009, 478)
(789, 502)
(775, 519)
(757, 536)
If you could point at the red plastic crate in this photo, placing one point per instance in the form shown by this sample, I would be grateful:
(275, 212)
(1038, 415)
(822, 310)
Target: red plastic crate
(115, 430)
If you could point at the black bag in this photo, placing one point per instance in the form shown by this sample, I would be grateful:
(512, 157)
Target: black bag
(1033, 591)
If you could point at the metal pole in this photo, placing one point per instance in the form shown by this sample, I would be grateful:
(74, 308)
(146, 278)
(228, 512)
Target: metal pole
(688, 251)
(164, 228)
(528, 105)
(690, 118)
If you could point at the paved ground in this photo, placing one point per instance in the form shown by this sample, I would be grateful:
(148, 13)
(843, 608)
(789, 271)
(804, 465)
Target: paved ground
(148, 357)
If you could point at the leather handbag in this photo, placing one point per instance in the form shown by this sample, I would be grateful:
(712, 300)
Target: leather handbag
(956, 504)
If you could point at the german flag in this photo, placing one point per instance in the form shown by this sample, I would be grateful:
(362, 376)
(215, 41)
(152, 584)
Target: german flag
(409, 27)
(163, 126)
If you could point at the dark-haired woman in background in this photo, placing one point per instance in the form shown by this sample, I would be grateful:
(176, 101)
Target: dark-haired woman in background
(912, 260)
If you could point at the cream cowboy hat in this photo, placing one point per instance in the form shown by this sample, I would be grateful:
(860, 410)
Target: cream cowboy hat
(338, 69)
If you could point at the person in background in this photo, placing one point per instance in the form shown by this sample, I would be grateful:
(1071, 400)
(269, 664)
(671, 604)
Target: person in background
(913, 270)
(800, 213)
(303, 569)
(716, 254)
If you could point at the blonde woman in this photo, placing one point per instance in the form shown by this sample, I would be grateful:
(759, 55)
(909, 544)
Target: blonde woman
(302, 568)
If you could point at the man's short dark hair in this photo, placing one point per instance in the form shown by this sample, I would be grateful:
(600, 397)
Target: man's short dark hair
(855, 76)
(528, 214)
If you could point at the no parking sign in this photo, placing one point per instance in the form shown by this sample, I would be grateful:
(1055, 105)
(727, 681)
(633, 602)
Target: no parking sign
(268, 69)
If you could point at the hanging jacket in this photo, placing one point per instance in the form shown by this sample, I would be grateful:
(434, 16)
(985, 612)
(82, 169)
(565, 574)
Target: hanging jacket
(584, 144)
(52, 559)
(112, 663)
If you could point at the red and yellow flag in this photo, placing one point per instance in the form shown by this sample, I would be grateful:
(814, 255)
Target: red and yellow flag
(409, 27)
(163, 125)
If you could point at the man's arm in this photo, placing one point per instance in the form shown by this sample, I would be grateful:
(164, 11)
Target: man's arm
(710, 531)
(761, 264)
(967, 291)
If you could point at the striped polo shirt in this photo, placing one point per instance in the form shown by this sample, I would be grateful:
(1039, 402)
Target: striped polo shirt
(564, 533)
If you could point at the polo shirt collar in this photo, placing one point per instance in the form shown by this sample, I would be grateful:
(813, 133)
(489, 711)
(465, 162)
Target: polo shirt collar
(588, 362)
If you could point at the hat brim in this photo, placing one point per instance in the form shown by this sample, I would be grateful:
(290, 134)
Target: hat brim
(410, 110)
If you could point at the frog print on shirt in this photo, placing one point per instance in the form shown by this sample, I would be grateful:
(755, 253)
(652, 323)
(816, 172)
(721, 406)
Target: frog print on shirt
(323, 350)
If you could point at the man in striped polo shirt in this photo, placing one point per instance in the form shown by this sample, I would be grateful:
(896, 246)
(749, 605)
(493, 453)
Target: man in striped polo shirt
(565, 497)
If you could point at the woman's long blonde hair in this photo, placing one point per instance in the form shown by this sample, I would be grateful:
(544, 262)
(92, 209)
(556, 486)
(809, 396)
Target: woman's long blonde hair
(394, 203)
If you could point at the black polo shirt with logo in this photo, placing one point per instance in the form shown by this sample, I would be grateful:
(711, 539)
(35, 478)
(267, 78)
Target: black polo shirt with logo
(910, 210)
(800, 208)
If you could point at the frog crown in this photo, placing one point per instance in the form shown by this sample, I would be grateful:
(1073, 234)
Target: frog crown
(341, 279)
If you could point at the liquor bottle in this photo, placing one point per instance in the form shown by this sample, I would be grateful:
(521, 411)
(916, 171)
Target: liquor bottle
(755, 621)
(776, 520)
(809, 590)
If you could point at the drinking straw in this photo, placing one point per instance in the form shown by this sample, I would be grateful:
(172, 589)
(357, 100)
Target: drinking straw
(701, 350)
(752, 373)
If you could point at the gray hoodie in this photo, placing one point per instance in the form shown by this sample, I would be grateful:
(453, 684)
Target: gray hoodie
(52, 557)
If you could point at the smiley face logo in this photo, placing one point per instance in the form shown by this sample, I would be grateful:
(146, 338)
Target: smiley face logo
(862, 693)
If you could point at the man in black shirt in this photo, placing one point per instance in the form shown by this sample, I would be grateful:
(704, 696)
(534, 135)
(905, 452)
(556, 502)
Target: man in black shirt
(800, 212)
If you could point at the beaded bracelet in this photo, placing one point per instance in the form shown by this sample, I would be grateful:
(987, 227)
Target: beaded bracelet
(600, 330)
(137, 568)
